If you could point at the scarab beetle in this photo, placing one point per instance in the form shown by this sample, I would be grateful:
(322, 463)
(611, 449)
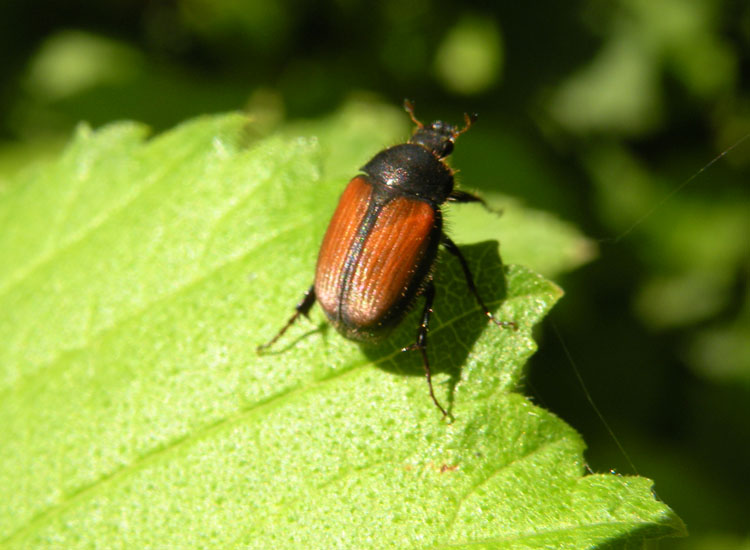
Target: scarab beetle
(379, 250)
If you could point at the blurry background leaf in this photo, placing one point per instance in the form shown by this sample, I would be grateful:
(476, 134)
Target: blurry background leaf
(469, 59)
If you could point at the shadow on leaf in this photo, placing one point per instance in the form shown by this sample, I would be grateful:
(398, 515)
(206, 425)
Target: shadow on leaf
(457, 320)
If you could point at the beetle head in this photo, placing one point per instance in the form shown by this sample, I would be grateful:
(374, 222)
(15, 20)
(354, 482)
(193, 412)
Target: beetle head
(439, 136)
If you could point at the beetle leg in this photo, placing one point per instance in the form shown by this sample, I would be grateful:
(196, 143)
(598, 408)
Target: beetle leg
(451, 247)
(302, 308)
(464, 196)
(421, 343)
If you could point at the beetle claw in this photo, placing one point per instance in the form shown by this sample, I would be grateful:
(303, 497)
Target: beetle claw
(504, 324)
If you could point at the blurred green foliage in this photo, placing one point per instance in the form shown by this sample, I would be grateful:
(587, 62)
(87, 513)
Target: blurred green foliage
(598, 112)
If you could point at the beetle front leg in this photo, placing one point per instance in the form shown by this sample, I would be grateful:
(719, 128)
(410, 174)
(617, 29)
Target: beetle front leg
(464, 196)
(451, 247)
(421, 343)
(302, 308)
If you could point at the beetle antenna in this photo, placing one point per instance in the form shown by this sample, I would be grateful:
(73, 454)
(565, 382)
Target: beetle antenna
(469, 119)
(409, 107)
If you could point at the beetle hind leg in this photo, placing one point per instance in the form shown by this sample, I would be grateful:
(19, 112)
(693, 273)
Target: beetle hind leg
(421, 342)
(302, 308)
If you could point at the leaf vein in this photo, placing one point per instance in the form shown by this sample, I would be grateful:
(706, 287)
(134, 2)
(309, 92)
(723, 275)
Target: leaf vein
(177, 291)
(97, 222)
(162, 452)
(494, 473)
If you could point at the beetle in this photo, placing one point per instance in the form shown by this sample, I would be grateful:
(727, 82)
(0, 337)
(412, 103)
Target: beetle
(380, 248)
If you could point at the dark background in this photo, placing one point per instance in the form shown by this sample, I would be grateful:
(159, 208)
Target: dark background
(599, 112)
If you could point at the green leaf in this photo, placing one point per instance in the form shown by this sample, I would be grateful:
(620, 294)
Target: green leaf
(530, 237)
(137, 279)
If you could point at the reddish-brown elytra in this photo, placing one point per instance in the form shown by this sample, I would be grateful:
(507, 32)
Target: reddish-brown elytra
(378, 253)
